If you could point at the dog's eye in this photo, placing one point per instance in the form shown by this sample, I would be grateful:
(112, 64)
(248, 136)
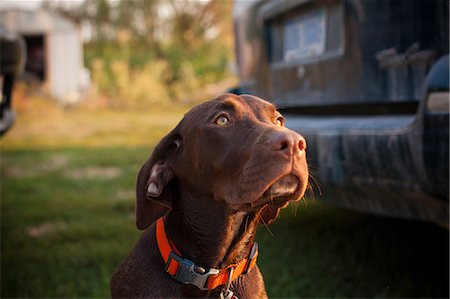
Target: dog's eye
(222, 120)
(280, 121)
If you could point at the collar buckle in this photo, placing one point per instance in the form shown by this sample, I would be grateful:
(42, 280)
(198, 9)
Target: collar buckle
(189, 273)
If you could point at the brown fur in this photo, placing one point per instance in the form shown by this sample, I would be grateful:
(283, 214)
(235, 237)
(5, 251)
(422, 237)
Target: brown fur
(212, 182)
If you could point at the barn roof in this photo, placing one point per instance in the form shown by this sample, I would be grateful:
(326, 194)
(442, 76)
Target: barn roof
(35, 22)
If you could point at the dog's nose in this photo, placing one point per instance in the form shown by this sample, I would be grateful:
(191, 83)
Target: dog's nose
(288, 142)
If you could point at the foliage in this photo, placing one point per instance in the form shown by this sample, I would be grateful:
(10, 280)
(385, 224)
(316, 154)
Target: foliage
(167, 50)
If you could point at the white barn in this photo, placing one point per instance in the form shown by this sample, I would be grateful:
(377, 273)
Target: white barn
(54, 50)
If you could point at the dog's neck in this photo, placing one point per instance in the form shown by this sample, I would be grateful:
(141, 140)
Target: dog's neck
(209, 233)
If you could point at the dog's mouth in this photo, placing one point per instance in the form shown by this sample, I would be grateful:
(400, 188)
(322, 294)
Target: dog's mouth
(277, 194)
(285, 186)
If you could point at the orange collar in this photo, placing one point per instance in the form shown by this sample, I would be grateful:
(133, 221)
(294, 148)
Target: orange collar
(188, 272)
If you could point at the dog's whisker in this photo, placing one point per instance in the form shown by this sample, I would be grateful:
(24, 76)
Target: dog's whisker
(246, 221)
(295, 209)
(311, 193)
(265, 225)
(271, 198)
(312, 165)
(304, 201)
(314, 180)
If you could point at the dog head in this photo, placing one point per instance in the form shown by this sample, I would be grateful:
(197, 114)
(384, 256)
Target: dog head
(236, 150)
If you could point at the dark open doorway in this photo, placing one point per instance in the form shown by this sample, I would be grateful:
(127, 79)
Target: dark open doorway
(36, 57)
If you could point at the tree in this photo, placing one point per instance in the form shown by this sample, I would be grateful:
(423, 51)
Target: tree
(193, 39)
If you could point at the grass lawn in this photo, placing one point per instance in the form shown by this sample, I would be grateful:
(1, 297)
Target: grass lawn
(67, 219)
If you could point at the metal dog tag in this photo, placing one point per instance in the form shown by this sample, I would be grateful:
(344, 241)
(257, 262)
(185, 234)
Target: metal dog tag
(226, 293)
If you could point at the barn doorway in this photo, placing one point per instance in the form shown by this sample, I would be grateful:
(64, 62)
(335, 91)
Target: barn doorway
(36, 58)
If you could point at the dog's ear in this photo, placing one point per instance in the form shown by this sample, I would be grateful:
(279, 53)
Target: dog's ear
(269, 214)
(153, 188)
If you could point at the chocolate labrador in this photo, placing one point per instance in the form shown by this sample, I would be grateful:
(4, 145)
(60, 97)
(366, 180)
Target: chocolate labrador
(227, 166)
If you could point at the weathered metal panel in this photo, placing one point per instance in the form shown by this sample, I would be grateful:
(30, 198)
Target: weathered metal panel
(375, 141)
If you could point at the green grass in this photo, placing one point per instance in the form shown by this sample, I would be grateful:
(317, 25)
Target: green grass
(62, 236)
(323, 252)
(67, 220)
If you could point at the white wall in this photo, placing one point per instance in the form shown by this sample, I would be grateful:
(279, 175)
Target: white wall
(65, 64)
